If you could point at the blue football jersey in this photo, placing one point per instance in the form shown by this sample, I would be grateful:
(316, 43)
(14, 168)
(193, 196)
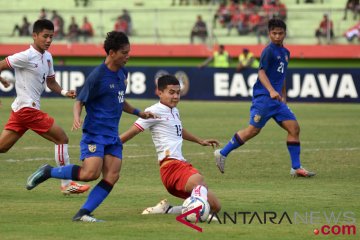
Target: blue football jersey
(103, 95)
(274, 61)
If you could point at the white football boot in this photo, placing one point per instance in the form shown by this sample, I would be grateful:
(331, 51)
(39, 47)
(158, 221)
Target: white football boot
(219, 160)
(159, 208)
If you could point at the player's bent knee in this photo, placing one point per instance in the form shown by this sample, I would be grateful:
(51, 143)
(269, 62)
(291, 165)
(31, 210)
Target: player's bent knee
(113, 178)
(294, 131)
(89, 176)
(4, 149)
(66, 140)
(255, 131)
(63, 140)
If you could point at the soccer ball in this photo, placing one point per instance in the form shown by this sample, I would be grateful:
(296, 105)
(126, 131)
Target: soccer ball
(193, 202)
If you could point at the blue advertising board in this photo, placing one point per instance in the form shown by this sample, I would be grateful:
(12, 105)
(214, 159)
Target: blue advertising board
(303, 85)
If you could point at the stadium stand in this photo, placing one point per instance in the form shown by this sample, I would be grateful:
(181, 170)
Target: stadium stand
(158, 22)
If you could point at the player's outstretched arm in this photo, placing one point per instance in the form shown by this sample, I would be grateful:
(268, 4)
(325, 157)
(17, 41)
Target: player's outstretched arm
(4, 82)
(204, 142)
(129, 134)
(4, 65)
(210, 142)
(131, 110)
(55, 87)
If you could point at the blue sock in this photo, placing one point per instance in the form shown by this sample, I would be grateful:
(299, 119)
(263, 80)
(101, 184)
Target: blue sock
(66, 172)
(234, 143)
(294, 150)
(97, 195)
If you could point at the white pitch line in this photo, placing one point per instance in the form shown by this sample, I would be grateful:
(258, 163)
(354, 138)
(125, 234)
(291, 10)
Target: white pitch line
(42, 148)
(254, 143)
(29, 159)
(77, 146)
(195, 154)
(330, 149)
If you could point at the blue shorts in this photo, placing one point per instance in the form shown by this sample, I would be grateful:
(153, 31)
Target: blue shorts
(263, 108)
(99, 146)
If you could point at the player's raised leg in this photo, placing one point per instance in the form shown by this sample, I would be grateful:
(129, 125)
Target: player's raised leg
(57, 135)
(221, 154)
(7, 139)
(235, 142)
(111, 169)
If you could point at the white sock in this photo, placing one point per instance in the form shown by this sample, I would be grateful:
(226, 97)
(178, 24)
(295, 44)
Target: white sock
(200, 191)
(62, 158)
(174, 210)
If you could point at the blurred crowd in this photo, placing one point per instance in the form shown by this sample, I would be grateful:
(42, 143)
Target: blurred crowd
(251, 17)
(243, 17)
(74, 32)
(247, 16)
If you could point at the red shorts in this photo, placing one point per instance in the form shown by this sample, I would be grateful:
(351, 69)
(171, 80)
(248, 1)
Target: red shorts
(175, 175)
(29, 118)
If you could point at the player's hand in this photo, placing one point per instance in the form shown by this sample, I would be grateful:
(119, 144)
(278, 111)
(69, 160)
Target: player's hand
(71, 94)
(146, 115)
(5, 83)
(210, 142)
(275, 95)
(76, 124)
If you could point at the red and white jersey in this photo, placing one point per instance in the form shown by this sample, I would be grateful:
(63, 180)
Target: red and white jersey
(31, 70)
(166, 131)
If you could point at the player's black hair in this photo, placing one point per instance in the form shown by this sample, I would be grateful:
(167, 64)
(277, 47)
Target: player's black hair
(115, 41)
(166, 80)
(42, 24)
(276, 23)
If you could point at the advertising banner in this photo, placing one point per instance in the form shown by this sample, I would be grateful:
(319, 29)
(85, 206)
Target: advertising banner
(303, 85)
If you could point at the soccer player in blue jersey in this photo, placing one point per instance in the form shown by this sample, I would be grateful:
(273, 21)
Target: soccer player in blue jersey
(269, 101)
(103, 96)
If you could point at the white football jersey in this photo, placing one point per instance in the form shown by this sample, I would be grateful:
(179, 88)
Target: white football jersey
(166, 131)
(31, 70)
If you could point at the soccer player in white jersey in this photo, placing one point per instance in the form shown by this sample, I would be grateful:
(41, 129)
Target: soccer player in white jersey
(33, 72)
(179, 177)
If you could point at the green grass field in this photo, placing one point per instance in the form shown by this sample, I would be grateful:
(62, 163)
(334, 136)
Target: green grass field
(256, 178)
